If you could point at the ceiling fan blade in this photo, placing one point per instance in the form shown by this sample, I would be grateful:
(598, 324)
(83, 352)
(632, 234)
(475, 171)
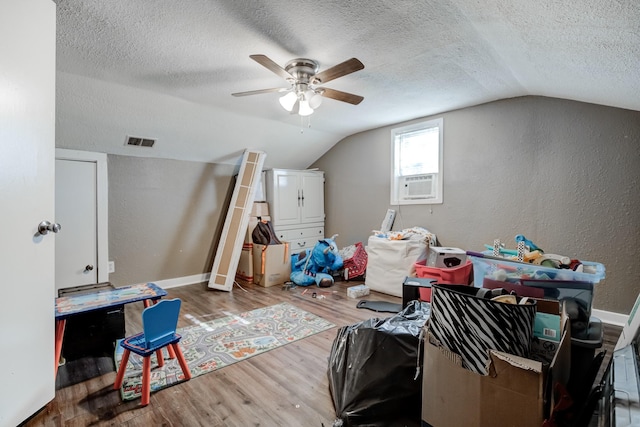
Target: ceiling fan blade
(269, 64)
(347, 67)
(341, 96)
(257, 92)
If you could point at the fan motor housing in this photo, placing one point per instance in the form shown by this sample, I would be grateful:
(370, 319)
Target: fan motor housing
(302, 69)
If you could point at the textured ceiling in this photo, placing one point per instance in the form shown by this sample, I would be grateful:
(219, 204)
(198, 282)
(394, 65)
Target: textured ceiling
(166, 69)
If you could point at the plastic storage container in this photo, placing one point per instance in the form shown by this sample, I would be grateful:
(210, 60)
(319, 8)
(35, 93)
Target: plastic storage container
(573, 288)
(514, 272)
(450, 276)
(460, 275)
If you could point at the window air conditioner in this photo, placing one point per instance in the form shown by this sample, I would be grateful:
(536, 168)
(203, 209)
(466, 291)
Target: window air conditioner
(417, 187)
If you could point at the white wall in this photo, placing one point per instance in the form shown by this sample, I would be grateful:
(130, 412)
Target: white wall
(565, 174)
(165, 217)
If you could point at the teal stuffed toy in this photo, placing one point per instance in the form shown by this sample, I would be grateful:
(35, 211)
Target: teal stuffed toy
(313, 266)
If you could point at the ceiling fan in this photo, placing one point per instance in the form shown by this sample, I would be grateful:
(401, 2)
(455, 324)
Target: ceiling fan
(304, 93)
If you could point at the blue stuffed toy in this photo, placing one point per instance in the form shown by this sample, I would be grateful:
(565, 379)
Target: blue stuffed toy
(313, 266)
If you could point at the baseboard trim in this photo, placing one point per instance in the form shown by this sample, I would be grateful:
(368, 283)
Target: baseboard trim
(610, 317)
(183, 281)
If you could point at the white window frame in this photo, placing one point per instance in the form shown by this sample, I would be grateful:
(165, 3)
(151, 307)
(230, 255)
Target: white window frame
(396, 178)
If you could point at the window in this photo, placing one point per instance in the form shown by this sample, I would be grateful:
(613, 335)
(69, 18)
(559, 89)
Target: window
(416, 163)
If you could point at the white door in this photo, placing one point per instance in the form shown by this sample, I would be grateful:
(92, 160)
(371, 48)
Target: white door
(27, 144)
(76, 211)
(312, 191)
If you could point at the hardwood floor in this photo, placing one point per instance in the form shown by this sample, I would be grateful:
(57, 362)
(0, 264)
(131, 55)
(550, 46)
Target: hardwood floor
(287, 386)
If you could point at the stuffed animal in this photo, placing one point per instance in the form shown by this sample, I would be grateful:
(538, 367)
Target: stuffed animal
(315, 265)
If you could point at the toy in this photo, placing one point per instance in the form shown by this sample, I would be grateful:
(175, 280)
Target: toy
(528, 243)
(529, 252)
(314, 265)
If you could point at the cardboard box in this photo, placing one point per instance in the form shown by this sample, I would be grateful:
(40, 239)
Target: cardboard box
(442, 257)
(515, 393)
(546, 336)
(245, 264)
(271, 264)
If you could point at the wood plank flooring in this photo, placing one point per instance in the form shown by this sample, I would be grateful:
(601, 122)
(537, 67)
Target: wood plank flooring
(287, 386)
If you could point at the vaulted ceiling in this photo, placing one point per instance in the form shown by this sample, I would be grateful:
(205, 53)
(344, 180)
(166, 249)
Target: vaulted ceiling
(166, 69)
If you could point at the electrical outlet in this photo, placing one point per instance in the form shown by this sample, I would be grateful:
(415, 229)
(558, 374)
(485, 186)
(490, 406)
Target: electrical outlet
(112, 267)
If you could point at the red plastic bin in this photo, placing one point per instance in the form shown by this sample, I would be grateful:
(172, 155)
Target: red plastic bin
(460, 275)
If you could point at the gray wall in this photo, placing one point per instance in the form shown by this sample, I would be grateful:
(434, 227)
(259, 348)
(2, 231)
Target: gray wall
(565, 174)
(164, 217)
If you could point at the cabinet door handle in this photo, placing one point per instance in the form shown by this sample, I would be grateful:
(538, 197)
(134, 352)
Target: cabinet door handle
(299, 198)
(302, 193)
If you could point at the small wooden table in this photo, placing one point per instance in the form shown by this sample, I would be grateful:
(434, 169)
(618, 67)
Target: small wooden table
(68, 306)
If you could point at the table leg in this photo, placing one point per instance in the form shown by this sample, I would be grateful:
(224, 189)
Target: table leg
(60, 324)
(150, 302)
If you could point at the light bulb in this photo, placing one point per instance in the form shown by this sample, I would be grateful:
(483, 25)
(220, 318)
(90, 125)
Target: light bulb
(287, 101)
(305, 109)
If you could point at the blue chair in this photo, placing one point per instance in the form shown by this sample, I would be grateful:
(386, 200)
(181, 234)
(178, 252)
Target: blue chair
(159, 324)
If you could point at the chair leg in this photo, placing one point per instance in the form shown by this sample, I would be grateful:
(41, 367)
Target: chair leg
(146, 380)
(121, 369)
(160, 357)
(172, 354)
(182, 361)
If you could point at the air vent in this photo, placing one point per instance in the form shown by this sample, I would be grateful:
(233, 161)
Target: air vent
(140, 142)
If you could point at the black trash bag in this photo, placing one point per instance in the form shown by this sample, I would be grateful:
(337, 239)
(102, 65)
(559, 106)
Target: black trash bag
(374, 369)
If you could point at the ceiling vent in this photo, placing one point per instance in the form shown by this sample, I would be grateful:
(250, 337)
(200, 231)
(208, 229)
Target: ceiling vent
(140, 142)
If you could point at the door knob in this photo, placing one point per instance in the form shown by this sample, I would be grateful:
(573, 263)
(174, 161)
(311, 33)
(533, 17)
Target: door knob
(45, 227)
(89, 267)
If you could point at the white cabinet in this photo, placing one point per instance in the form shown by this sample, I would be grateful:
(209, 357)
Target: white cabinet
(296, 205)
(300, 238)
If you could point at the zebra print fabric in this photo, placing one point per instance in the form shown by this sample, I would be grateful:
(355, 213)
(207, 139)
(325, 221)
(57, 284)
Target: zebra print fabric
(469, 325)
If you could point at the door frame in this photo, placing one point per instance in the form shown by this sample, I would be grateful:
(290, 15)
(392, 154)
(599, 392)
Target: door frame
(102, 205)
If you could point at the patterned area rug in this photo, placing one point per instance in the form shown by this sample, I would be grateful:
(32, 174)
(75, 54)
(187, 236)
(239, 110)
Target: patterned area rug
(222, 342)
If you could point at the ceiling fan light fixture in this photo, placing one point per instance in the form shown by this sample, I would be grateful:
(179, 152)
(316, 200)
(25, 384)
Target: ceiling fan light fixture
(305, 109)
(304, 95)
(314, 99)
(288, 101)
